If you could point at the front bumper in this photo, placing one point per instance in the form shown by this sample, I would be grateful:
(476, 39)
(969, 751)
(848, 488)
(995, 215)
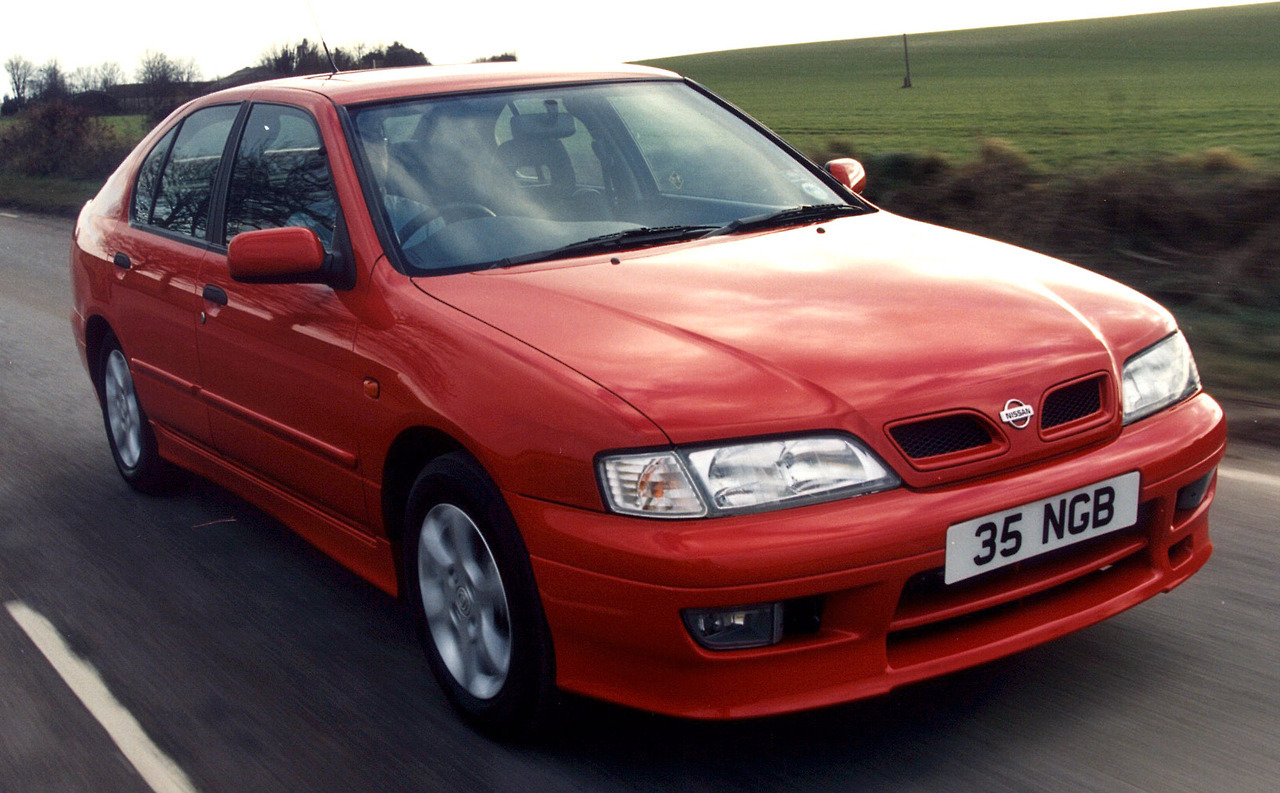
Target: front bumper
(613, 586)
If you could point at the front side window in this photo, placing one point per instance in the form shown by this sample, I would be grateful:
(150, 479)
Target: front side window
(280, 176)
(505, 177)
(182, 201)
(689, 152)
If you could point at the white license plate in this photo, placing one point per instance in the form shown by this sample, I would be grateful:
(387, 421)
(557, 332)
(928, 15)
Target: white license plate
(1012, 535)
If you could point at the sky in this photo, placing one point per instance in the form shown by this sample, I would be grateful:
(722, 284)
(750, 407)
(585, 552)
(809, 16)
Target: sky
(225, 35)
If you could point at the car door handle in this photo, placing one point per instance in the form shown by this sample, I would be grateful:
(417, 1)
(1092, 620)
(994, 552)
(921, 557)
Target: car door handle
(122, 261)
(215, 294)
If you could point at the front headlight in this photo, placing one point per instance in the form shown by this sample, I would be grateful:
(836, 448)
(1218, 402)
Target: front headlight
(742, 477)
(1159, 376)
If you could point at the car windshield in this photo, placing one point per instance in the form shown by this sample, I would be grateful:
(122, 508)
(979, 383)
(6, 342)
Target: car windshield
(503, 178)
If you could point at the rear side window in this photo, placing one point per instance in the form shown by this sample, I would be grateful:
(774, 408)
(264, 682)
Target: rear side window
(280, 176)
(144, 196)
(182, 195)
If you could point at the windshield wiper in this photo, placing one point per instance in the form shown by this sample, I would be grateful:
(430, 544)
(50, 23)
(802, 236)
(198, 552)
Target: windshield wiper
(618, 240)
(801, 214)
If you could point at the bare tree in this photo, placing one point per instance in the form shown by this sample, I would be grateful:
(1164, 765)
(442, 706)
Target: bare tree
(186, 71)
(22, 74)
(156, 69)
(81, 80)
(166, 81)
(108, 75)
(50, 82)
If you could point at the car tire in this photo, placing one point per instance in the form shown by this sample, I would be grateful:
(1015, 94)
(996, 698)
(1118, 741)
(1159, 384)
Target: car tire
(471, 592)
(129, 433)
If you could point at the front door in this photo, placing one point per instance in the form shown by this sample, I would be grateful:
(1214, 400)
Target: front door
(276, 360)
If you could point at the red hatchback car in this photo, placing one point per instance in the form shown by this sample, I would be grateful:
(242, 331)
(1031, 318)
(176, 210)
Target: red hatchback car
(628, 398)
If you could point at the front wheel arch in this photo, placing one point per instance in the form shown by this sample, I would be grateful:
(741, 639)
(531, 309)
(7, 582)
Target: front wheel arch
(455, 484)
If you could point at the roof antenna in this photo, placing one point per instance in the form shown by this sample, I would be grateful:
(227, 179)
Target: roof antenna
(327, 54)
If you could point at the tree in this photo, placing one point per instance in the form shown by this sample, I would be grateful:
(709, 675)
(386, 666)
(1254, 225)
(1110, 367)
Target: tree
(81, 80)
(107, 76)
(157, 69)
(308, 57)
(166, 81)
(506, 57)
(305, 57)
(186, 71)
(279, 58)
(400, 55)
(22, 74)
(50, 83)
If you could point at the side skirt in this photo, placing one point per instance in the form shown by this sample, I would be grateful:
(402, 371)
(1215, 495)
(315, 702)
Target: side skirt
(371, 558)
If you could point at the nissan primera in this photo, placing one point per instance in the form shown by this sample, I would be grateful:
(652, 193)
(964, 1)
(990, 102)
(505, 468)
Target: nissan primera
(626, 397)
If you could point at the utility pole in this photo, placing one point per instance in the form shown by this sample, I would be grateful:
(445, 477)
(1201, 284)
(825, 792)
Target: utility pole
(907, 58)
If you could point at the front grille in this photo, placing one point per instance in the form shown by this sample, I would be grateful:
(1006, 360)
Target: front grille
(1072, 402)
(943, 435)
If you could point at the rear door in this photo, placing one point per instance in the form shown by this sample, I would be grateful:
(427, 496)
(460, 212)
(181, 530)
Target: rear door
(158, 259)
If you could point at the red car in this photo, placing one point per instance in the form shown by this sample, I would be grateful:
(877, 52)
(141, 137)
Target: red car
(628, 398)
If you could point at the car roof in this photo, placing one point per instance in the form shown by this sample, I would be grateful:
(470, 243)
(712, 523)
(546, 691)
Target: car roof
(371, 85)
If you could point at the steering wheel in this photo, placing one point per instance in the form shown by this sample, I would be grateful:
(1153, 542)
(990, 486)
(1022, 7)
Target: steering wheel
(449, 213)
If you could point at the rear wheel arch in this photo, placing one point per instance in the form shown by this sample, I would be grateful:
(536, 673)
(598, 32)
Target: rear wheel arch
(130, 437)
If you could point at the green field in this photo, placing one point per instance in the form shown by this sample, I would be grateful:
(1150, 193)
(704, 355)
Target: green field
(1069, 95)
(129, 128)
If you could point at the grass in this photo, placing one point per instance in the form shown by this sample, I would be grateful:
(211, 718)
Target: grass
(47, 195)
(1069, 95)
(1236, 350)
(130, 128)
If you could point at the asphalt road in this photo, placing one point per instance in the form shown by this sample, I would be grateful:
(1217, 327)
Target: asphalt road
(247, 661)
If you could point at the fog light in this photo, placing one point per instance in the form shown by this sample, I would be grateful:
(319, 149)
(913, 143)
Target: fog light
(1190, 496)
(735, 628)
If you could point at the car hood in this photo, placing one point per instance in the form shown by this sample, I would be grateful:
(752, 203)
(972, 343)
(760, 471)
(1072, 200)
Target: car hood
(850, 325)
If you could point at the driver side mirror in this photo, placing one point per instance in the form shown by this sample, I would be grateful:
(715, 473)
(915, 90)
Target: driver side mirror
(849, 172)
(286, 255)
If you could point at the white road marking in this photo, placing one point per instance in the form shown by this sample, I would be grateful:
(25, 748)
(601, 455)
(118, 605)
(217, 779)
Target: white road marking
(10, 215)
(1252, 477)
(155, 767)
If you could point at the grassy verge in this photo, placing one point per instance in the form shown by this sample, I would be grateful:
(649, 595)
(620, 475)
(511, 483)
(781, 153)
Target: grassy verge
(46, 195)
(53, 158)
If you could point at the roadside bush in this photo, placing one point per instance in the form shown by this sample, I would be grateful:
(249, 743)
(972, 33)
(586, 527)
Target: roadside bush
(55, 139)
(1200, 230)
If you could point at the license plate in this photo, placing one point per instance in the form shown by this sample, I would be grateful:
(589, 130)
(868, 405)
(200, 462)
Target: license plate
(1002, 538)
